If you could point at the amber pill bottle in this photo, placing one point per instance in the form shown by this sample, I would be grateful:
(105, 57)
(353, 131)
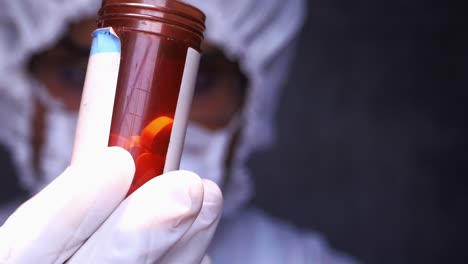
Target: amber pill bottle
(159, 54)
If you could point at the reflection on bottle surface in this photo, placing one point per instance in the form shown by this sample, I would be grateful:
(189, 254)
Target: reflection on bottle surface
(155, 37)
(147, 92)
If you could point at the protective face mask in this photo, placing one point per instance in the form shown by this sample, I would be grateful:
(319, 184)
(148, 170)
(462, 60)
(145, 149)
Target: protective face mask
(57, 149)
(58, 142)
(205, 151)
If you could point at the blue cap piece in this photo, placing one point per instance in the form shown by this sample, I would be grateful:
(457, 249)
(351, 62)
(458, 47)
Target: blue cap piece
(105, 41)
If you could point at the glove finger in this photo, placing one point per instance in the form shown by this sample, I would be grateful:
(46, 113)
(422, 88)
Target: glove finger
(52, 225)
(192, 246)
(147, 223)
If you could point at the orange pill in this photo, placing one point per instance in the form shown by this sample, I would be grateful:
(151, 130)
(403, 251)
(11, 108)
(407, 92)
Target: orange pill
(155, 136)
(148, 166)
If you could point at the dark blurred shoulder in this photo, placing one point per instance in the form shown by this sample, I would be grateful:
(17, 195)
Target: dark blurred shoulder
(10, 188)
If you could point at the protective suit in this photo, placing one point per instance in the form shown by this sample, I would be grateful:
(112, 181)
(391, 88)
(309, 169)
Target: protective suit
(259, 34)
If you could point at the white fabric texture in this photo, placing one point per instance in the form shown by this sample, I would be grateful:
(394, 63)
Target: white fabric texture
(58, 143)
(205, 151)
(262, 239)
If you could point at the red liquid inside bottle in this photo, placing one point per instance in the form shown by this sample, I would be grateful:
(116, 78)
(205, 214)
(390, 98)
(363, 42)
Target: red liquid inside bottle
(158, 38)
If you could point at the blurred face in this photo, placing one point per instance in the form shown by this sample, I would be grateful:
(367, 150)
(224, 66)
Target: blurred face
(218, 94)
(219, 90)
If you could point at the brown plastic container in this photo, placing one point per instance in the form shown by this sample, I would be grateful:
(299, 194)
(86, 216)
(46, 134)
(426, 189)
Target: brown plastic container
(160, 45)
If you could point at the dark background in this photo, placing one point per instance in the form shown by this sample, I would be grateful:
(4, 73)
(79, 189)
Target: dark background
(372, 147)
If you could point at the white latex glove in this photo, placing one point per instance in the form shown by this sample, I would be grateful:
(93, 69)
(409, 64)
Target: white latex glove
(83, 217)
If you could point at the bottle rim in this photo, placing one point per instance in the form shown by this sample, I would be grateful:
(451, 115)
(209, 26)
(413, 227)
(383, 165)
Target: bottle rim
(173, 12)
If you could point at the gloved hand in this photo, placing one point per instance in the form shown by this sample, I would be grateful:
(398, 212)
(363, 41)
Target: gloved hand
(84, 217)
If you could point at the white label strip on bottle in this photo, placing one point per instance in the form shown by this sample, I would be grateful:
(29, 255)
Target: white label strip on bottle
(97, 102)
(184, 102)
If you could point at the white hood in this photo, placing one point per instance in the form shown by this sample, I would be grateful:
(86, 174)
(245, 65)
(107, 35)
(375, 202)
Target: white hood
(257, 33)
